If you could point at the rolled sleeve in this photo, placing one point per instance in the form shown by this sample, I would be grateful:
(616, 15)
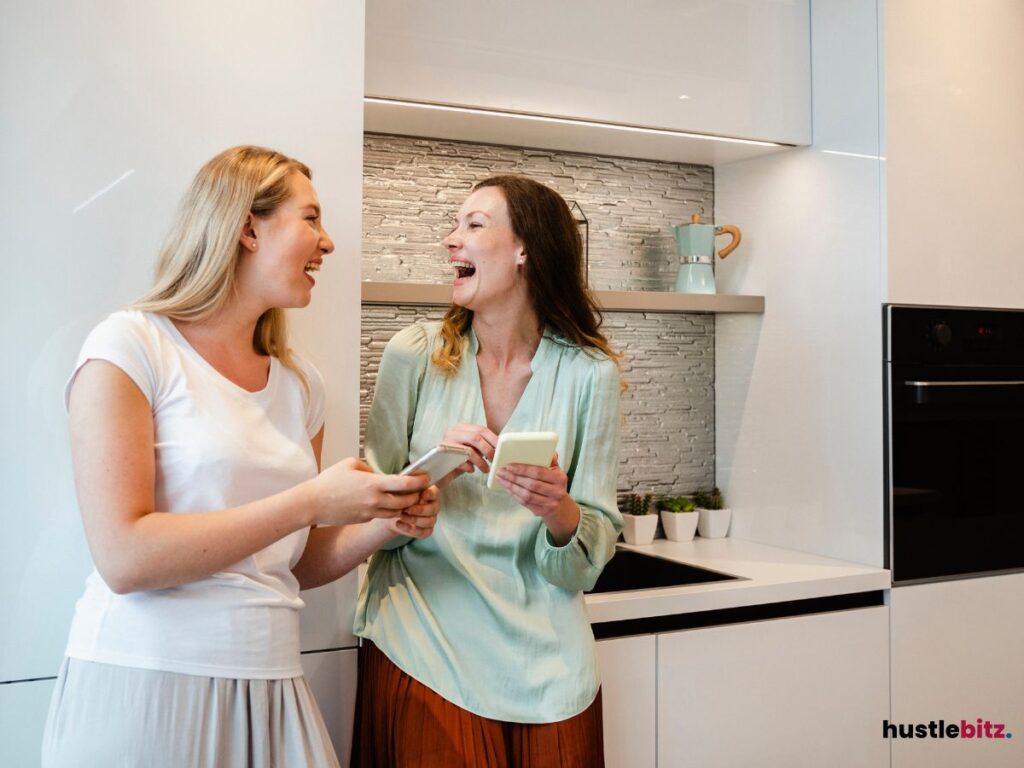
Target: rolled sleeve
(592, 485)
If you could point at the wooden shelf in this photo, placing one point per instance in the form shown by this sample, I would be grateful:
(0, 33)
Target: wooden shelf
(429, 294)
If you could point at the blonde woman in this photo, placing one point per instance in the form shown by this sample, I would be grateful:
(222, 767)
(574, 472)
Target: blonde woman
(196, 437)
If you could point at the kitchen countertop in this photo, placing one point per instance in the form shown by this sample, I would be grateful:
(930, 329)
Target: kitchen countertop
(767, 575)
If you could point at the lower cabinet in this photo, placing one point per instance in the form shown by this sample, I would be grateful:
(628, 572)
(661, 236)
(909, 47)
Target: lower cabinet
(628, 695)
(332, 676)
(956, 657)
(798, 692)
(23, 708)
(807, 691)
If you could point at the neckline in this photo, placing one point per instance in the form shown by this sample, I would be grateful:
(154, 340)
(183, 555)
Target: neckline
(179, 338)
(474, 348)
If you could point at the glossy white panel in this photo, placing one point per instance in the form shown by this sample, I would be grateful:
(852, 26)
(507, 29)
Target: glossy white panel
(802, 692)
(108, 110)
(23, 708)
(628, 696)
(744, 64)
(326, 621)
(333, 675)
(955, 75)
(956, 656)
(798, 405)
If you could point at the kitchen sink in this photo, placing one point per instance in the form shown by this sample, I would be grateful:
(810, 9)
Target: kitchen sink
(632, 570)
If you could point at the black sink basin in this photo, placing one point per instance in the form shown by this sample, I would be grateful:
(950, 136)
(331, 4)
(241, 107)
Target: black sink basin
(631, 570)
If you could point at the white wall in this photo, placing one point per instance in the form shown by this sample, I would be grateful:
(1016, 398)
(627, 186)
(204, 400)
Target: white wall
(954, 99)
(108, 110)
(799, 389)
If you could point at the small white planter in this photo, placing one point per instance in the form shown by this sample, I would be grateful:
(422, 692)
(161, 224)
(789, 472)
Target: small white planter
(679, 526)
(713, 523)
(639, 529)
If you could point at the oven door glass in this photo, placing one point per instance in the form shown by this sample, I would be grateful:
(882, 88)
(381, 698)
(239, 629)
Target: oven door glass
(957, 464)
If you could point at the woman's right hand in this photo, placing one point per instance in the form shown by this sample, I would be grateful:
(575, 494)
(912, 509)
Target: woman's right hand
(479, 439)
(351, 492)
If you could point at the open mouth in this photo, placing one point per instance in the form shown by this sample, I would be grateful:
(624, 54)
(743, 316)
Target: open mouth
(312, 266)
(463, 269)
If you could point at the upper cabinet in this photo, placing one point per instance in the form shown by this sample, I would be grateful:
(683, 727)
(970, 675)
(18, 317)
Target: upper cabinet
(727, 68)
(954, 75)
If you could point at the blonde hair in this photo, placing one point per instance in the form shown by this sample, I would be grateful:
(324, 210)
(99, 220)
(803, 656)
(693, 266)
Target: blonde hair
(195, 272)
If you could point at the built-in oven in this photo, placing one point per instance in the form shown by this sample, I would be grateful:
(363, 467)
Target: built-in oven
(954, 400)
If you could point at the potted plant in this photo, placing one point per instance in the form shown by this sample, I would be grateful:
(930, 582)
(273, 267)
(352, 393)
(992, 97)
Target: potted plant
(639, 524)
(678, 517)
(713, 522)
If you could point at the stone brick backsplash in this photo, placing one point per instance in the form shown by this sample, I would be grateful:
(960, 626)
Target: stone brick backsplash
(412, 187)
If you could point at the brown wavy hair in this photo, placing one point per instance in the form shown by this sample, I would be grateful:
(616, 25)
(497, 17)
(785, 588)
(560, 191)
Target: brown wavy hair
(556, 285)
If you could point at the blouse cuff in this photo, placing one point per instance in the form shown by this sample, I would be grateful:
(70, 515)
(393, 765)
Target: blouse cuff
(576, 565)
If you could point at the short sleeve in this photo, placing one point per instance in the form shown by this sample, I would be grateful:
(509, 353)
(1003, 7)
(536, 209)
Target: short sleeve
(316, 405)
(126, 340)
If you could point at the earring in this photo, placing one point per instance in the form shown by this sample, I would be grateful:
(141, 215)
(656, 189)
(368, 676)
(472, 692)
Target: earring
(253, 246)
(521, 260)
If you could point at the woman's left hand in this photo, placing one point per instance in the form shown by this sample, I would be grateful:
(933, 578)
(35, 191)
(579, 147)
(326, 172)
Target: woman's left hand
(418, 520)
(540, 489)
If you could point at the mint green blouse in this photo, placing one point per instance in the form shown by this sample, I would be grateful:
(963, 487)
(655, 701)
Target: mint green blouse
(487, 611)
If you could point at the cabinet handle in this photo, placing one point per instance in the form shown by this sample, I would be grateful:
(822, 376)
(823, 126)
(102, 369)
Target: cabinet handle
(963, 383)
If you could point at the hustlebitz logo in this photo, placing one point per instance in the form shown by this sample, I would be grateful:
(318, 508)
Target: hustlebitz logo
(940, 729)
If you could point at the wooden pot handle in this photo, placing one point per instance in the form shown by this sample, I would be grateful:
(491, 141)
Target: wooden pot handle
(734, 231)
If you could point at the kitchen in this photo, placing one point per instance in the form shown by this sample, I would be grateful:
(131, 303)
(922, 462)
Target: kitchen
(894, 111)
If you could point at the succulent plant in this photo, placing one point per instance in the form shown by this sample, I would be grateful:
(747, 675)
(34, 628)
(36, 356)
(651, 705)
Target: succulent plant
(637, 504)
(676, 504)
(709, 499)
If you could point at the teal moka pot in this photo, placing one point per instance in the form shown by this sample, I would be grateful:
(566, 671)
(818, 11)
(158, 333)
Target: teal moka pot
(696, 243)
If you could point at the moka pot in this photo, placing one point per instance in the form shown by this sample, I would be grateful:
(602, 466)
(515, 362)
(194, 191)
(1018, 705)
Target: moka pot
(696, 243)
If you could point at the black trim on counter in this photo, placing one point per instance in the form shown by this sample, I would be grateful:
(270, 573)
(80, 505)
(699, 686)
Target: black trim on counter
(656, 624)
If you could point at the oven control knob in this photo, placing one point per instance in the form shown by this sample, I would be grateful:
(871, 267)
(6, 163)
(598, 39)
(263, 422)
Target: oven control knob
(942, 334)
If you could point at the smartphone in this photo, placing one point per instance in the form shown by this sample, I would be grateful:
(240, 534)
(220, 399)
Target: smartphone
(536, 448)
(438, 462)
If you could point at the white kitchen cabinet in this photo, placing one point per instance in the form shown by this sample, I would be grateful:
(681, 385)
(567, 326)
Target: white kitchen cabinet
(805, 691)
(953, 116)
(739, 68)
(23, 708)
(628, 695)
(956, 656)
(332, 675)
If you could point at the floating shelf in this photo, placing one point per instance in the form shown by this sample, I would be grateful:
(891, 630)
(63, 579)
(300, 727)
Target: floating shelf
(439, 295)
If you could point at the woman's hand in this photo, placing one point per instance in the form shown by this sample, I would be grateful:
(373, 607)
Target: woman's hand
(350, 492)
(479, 439)
(544, 491)
(418, 520)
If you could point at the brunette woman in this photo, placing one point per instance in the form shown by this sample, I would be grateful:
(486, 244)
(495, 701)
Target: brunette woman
(477, 647)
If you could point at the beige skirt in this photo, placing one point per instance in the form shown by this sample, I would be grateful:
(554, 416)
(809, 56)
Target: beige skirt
(108, 715)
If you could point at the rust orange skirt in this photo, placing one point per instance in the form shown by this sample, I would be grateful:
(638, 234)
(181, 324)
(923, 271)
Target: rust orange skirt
(400, 723)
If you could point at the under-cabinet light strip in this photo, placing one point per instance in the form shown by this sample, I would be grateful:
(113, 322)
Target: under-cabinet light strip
(567, 121)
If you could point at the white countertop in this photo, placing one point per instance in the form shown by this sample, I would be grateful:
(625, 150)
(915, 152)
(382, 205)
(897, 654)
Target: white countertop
(768, 575)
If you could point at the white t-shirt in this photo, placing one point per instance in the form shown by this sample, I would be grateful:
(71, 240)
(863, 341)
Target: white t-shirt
(216, 446)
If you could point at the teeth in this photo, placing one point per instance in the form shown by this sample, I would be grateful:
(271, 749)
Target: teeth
(462, 265)
(312, 266)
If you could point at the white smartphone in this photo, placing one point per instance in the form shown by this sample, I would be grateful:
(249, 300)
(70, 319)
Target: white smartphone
(438, 461)
(536, 448)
